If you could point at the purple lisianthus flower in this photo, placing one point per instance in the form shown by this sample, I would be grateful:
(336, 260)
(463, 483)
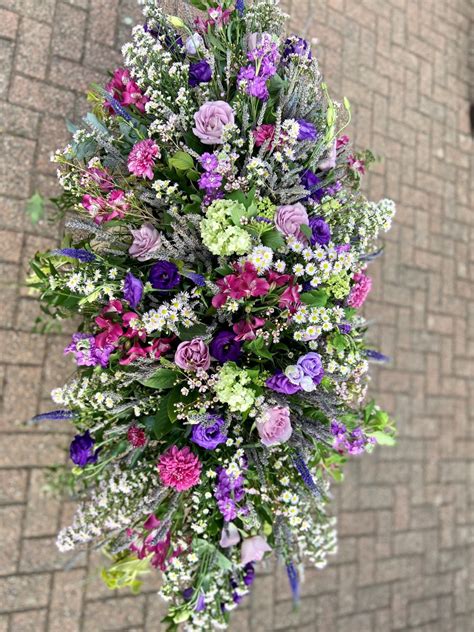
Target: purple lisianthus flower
(82, 451)
(164, 275)
(312, 183)
(307, 130)
(312, 366)
(297, 46)
(281, 384)
(199, 72)
(210, 181)
(132, 290)
(345, 328)
(209, 162)
(225, 348)
(209, 436)
(321, 233)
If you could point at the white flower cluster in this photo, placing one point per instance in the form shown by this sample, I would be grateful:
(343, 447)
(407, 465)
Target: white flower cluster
(79, 393)
(315, 321)
(320, 263)
(168, 316)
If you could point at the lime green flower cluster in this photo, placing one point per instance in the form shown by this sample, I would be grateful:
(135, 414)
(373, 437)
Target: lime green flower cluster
(266, 208)
(339, 285)
(219, 231)
(232, 389)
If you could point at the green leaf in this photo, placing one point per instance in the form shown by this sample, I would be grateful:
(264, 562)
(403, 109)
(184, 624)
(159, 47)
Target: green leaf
(347, 104)
(162, 424)
(340, 342)
(315, 298)
(163, 378)
(35, 208)
(195, 331)
(259, 348)
(382, 438)
(181, 161)
(272, 239)
(306, 230)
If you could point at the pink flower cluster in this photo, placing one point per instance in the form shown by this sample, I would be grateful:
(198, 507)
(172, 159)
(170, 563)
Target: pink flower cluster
(179, 469)
(143, 546)
(125, 90)
(360, 290)
(141, 159)
(217, 17)
(114, 206)
(245, 283)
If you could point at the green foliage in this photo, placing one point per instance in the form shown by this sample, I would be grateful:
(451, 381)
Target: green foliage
(35, 208)
(126, 573)
(162, 379)
(315, 298)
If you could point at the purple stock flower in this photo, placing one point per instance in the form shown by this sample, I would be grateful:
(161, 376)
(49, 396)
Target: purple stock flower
(297, 46)
(199, 72)
(86, 352)
(82, 451)
(228, 492)
(132, 290)
(321, 233)
(225, 348)
(209, 162)
(307, 130)
(209, 181)
(75, 253)
(164, 275)
(207, 435)
(281, 384)
(353, 442)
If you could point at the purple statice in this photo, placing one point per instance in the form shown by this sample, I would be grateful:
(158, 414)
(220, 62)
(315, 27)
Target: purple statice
(82, 255)
(225, 348)
(353, 442)
(307, 130)
(209, 435)
(82, 451)
(199, 72)
(294, 581)
(376, 356)
(132, 290)
(53, 415)
(164, 275)
(86, 352)
(303, 470)
(229, 492)
(321, 233)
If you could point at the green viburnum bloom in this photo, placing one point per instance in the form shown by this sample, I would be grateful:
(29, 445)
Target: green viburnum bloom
(219, 231)
(232, 389)
(339, 285)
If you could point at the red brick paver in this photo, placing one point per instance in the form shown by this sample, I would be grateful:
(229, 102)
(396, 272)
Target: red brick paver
(406, 516)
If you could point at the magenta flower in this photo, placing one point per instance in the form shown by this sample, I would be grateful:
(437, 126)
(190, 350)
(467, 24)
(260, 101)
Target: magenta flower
(141, 159)
(179, 469)
(290, 299)
(263, 133)
(244, 284)
(360, 290)
(106, 209)
(245, 329)
(253, 549)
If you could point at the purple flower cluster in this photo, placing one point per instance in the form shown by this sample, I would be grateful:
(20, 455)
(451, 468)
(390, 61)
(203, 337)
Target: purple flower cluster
(164, 275)
(307, 130)
(209, 436)
(248, 578)
(199, 72)
(75, 253)
(82, 451)
(296, 46)
(211, 180)
(229, 492)
(87, 353)
(132, 290)
(265, 58)
(353, 442)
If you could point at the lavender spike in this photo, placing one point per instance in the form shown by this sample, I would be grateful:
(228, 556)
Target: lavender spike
(294, 581)
(54, 415)
(300, 464)
(75, 253)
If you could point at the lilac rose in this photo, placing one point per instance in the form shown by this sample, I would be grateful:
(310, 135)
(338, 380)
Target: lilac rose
(193, 355)
(146, 242)
(289, 219)
(274, 425)
(210, 120)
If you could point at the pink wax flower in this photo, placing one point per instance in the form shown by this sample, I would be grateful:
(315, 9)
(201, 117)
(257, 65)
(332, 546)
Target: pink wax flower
(179, 469)
(141, 159)
(274, 425)
(290, 299)
(193, 355)
(245, 329)
(146, 242)
(230, 536)
(210, 120)
(244, 284)
(263, 133)
(360, 290)
(253, 549)
(289, 219)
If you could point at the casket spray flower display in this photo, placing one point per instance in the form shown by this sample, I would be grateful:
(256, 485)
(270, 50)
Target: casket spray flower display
(216, 251)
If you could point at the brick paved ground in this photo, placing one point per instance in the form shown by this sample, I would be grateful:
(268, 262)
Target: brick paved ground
(406, 516)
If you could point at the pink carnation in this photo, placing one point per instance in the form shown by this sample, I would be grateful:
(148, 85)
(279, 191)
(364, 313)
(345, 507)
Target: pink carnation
(360, 290)
(263, 133)
(141, 159)
(179, 469)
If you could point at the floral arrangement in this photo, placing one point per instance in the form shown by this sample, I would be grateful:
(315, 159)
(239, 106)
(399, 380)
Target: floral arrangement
(216, 251)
